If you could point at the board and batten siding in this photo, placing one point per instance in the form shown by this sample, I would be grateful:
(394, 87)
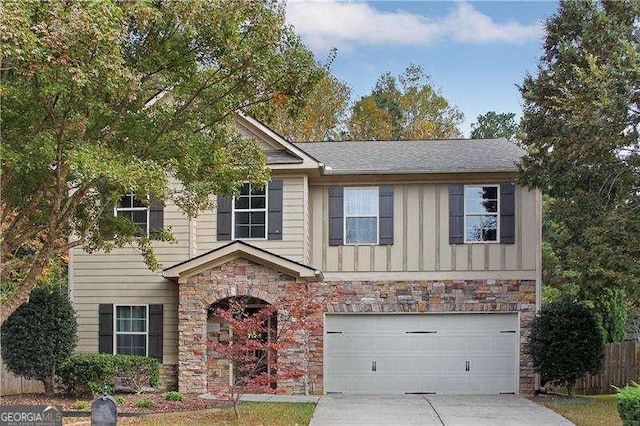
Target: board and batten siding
(292, 245)
(421, 240)
(121, 277)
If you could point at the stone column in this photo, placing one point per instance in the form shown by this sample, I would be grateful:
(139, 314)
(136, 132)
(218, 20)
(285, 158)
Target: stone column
(192, 339)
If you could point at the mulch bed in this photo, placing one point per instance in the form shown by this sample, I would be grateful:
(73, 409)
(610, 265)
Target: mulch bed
(191, 402)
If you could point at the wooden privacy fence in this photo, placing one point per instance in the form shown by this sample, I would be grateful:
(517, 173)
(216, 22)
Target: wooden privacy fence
(621, 366)
(11, 384)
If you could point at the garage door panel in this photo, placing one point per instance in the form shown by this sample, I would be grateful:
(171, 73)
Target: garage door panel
(421, 353)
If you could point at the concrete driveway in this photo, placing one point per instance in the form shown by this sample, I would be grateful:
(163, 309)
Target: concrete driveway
(438, 410)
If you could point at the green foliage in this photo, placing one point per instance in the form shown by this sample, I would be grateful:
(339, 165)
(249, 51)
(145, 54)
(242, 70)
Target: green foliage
(145, 403)
(404, 108)
(80, 405)
(40, 335)
(628, 404)
(566, 342)
(120, 400)
(99, 371)
(174, 396)
(495, 125)
(613, 313)
(581, 129)
(102, 98)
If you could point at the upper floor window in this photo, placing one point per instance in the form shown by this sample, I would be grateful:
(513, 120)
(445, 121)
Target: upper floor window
(135, 210)
(361, 215)
(250, 212)
(481, 218)
(131, 330)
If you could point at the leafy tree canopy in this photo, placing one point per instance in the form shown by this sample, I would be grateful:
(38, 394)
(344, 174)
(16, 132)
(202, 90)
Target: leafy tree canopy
(404, 108)
(581, 129)
(495, 125)
(321, 117)
(103, 98)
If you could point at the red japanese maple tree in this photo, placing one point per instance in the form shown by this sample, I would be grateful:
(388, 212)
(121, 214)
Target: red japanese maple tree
(254, 347)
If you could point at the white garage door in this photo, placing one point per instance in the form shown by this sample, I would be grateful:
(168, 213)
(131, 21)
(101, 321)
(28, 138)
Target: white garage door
(421, 353)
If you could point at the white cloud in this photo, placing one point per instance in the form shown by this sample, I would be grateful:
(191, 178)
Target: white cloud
(346, 24)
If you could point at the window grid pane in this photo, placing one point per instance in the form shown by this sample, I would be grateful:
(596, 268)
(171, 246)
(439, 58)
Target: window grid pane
(361, 215)
(481, 213)
(250, 212)
(131, 330)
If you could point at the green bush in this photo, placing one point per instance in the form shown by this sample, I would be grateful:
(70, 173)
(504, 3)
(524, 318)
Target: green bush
(40, 335)
(120, 400)
(566, 343)
(629, 405)
(100, 372)
(80, 405)
(145, 403)
(174, 396)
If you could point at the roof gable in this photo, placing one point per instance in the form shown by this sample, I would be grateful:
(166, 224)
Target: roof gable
(280, 153)
(240, 249)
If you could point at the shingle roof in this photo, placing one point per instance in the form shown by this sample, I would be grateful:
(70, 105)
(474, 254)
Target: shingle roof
(424, 156)
(281, 157)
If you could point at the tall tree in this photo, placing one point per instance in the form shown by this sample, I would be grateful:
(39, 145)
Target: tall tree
(404, 107)
(103, 98)
(320, 118)
(495, 125)
(581, 128)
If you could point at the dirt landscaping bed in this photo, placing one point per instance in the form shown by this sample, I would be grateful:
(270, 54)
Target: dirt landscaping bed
(191, 402)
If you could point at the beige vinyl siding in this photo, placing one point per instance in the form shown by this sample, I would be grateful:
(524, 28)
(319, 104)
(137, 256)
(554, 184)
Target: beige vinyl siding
(121, 277)
(421, 239)
(292, 245)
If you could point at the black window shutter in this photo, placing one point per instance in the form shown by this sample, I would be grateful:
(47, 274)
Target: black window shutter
(224, 217)
(507, 213)
(105, 328)
(156, 214)
(274, 199)
(336, 216)
(456, 214)
(385, 212)
(155, 332)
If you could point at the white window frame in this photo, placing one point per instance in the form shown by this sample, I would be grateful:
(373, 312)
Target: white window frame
(134, 209)
(116, 333)
(344, 215)
(496, 214)
(250, 210)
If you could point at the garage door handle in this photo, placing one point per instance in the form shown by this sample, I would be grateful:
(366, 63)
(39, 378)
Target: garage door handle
(373, 366)
(467, 366)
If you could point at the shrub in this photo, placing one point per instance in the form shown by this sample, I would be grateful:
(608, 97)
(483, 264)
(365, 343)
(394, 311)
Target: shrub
(99, 372)
(40, 335)
(138, 372)
(120, 400)
(80, 405)
(566, 342)
(174, 396)
(145, 403)
(629, 405)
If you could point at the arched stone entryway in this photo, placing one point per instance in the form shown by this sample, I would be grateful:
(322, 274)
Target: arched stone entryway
(220, 371)
(238, 277)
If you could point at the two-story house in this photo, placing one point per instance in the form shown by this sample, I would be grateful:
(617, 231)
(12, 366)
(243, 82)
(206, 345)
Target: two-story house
(434, 250)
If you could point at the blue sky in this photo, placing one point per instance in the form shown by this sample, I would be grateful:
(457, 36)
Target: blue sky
(475, 52)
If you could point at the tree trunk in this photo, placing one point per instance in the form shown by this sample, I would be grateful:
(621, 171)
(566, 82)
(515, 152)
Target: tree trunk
(571, 389)
(49, 385)
(21, 294)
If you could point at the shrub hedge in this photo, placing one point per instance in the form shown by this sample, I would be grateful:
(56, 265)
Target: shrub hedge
(629, 405)
(101, 372)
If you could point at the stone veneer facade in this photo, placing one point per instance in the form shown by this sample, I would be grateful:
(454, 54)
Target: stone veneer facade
(199, 371)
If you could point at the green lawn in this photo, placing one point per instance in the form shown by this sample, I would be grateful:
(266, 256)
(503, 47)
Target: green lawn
(251, 413)
(585, 410)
